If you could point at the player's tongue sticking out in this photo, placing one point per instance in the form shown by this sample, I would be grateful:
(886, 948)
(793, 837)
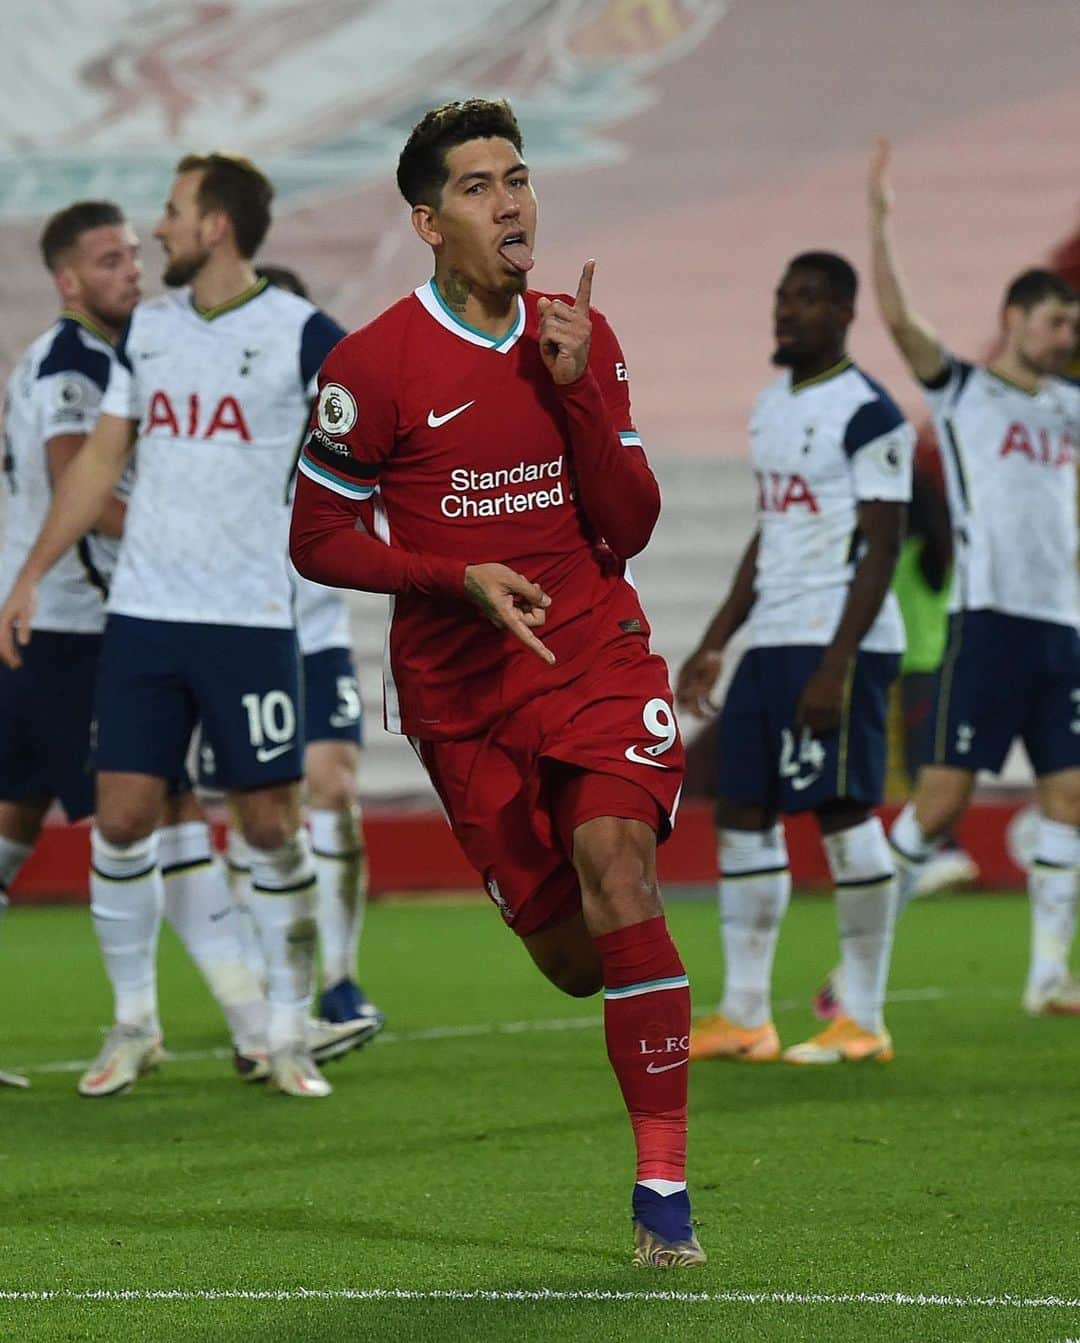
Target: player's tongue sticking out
(517, 252)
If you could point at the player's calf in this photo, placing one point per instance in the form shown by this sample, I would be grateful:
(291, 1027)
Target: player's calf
(566, 955)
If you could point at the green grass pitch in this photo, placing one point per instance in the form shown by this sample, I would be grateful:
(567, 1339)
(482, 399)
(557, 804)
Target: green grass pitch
(481, 1146)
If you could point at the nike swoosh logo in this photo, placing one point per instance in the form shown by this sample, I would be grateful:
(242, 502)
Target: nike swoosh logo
(221, 914)
(435, 420)
(665, 1067)
(265, 753)
(634, 755)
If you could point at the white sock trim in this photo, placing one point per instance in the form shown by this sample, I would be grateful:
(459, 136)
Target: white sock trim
(336, 834)
(122, 862)
(1056, 845)
(860, 857)
(908, 839)
(663, 1187)
(752, 853)
(183, 845)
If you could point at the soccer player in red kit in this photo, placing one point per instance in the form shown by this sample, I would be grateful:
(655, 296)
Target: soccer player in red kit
(472, 453)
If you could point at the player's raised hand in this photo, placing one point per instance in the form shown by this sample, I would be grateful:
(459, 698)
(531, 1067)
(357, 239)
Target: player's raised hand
(694, 684)
(510, 602)
(15, 616)
(880, 187)
(566, 331)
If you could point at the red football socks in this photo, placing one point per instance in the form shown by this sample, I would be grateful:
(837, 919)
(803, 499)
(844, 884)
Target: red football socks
(647, 1025)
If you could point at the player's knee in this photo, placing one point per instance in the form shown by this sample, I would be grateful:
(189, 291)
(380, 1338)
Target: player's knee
(1059, 797)
(332, 790)
(619, 877)
(268, 831)
(841, 814)
(748, 816)
(122, 825)
(330, 769)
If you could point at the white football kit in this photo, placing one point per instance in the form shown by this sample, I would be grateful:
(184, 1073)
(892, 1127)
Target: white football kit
(221, 399)
(201, 623)
(56, 389)
(818, 450)
(1010, 473)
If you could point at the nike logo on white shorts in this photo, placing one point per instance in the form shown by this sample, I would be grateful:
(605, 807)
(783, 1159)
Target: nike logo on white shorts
(435, 420)
(635, 756)
(664, 1067)
(265, 753)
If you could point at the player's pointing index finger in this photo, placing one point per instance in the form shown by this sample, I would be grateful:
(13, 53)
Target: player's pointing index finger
(584, 289)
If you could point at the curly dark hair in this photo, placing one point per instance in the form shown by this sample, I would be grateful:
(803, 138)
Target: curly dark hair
(422, 170)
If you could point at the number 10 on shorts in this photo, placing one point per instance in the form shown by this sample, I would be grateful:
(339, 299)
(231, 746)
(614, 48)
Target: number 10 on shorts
(271, 723)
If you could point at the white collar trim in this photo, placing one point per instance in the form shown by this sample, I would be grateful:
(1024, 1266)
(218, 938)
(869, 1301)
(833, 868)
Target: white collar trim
(433, 301)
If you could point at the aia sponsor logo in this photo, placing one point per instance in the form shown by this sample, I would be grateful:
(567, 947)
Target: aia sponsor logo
(190, 419)
(1038, 445)
(778, 491)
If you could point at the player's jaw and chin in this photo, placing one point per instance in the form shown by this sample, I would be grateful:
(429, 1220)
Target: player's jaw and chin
(182, 270)
(1045, 345)
(106, 275)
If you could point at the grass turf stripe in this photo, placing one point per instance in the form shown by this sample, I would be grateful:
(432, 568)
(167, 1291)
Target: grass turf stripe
(791, 1298)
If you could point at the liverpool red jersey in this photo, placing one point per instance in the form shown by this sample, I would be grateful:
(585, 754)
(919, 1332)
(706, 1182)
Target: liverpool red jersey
(433, 446)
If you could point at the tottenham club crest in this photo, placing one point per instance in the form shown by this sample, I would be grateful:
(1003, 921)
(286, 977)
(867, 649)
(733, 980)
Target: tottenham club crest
(337, 409)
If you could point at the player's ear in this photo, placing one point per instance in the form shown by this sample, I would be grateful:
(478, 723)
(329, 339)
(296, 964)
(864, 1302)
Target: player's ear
(67, 283)
(425, 221)
(215, 226)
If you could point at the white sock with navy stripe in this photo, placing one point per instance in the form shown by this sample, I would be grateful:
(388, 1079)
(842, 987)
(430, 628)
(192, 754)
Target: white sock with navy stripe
(341, 868)
(911, 851)
(283, 907)
(126, 900)
(755, 887)
(862, 868)
(1052, 889)
(201, 910)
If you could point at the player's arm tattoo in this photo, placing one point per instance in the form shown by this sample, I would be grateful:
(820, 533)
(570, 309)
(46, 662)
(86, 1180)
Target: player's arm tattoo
(456, 290)
(478, 594)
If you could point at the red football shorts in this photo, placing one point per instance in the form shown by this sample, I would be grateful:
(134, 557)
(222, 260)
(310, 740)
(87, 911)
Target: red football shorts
(606, 744)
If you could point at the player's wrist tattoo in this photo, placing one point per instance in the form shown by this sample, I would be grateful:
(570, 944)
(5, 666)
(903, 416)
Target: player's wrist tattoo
(475, 591)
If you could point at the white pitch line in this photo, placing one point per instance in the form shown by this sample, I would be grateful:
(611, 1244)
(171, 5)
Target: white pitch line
(479, 1031)
(917, 1299)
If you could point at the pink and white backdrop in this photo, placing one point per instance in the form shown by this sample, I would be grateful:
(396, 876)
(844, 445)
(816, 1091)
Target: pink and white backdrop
(690, 145)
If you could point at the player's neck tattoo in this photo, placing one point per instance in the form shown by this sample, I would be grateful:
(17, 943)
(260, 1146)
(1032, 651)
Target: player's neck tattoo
(456, 290)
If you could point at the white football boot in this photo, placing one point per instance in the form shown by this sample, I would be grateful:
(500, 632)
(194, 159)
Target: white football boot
(293, 1071)
(128, 1052)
